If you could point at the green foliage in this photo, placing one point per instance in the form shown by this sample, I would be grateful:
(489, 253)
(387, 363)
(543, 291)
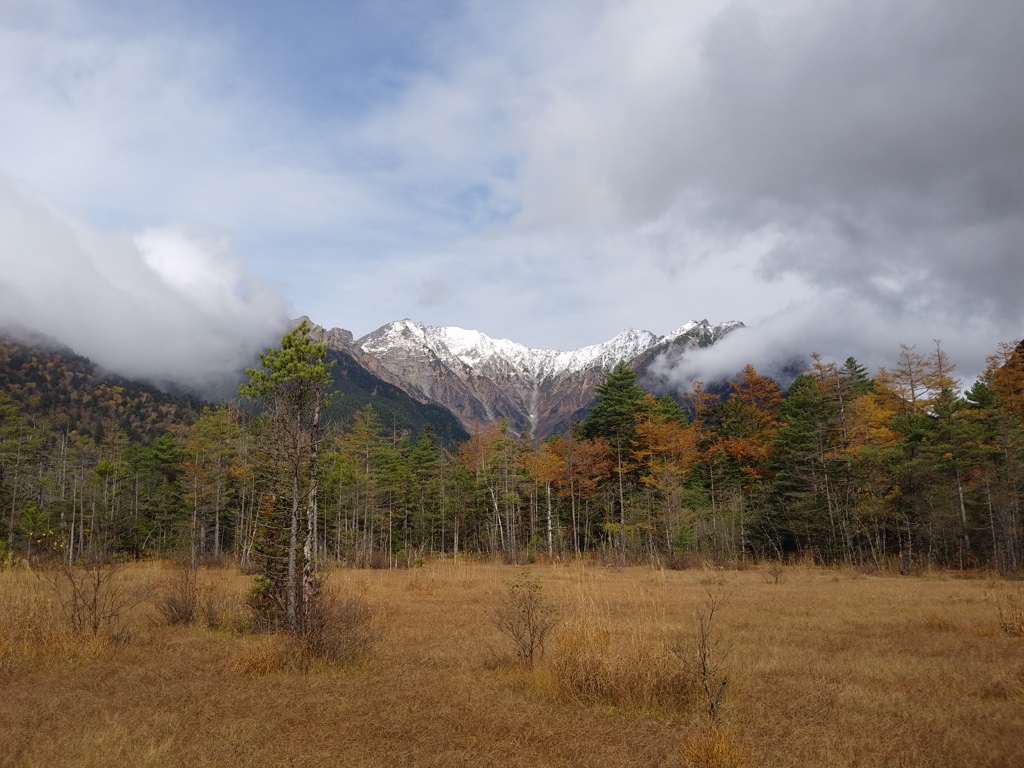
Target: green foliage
(291, 374)
(620, 403)
(684, 539)
(670, 411)
(267, 601)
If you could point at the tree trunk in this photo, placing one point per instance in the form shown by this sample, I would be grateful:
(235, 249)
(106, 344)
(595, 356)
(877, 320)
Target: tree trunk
(293, 546)
(622, 511)
(309, 584)
(551, 546)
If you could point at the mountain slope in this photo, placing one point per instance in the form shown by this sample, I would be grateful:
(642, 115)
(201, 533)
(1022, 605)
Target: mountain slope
(49, 381)
(45, 379)
(355, 387)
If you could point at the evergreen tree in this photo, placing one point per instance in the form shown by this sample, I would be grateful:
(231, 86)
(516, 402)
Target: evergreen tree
(614, 418)
(291, 388)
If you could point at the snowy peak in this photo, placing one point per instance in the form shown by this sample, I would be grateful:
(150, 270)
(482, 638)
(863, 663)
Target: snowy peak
(480, 353)
(703, 332)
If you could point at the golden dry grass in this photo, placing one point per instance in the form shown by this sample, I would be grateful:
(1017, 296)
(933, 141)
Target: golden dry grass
(827, 668)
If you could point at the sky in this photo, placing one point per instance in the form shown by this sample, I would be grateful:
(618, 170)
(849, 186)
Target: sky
(178, 177)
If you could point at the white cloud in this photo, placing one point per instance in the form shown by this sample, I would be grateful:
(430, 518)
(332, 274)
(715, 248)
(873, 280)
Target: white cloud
(551, 172)
(160, 306)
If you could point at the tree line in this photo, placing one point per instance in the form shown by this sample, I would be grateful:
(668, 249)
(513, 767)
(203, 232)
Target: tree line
(902, 469)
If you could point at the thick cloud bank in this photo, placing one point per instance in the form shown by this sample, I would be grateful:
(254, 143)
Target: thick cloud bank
(841, 176)
(872, 154)
(159, 306)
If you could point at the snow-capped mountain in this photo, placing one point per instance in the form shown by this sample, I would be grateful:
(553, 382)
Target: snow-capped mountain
(458, 347)
(481, 379)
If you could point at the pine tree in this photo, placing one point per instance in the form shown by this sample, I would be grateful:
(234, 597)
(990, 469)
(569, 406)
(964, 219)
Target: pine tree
(292, 388)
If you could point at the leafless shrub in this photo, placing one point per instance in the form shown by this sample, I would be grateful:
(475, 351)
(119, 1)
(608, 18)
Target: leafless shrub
(774, 573)
(34, 631)
(525, 616)
(339, 630)
(179, 603)
(706, 657)
(184, 602)
(94, 597)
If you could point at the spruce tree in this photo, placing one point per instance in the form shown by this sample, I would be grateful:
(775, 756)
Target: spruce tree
(614, 417)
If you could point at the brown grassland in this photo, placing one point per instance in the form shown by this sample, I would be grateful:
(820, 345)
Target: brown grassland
(825, 668)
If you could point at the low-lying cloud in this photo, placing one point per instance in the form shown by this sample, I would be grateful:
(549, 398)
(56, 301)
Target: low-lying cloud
(159, 306)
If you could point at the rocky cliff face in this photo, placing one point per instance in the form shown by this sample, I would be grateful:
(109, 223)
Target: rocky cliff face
(481, 379)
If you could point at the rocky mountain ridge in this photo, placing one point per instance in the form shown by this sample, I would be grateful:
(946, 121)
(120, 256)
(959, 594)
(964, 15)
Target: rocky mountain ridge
(481, 379)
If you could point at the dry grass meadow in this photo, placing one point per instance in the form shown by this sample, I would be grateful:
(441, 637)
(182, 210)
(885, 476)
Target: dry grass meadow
(825, 668)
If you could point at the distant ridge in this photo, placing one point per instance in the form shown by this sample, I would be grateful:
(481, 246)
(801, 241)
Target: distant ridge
(481, 379)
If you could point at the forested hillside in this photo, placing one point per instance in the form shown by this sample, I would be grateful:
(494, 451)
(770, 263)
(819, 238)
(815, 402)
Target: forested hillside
(72, 394)
(901, 469)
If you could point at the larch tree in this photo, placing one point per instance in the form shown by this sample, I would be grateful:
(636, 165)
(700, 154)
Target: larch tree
(545, 466)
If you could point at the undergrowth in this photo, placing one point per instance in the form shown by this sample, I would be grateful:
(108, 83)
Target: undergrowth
(35, 630)
(341, 629)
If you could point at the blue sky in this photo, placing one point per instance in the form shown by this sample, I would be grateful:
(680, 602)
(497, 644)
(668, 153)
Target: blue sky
(843, 177)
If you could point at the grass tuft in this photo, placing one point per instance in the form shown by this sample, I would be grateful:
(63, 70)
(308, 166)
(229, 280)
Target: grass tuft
(1010, 608)
(712, 748)
(638, 672)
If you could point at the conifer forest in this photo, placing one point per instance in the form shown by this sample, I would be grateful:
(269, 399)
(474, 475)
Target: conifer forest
(901, 468)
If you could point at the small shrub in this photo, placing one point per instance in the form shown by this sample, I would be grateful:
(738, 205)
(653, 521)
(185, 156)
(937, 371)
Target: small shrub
(179, 603)
(34, 631)
(774, 573)
(706, 659)
(340, 629)
(525, 617)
